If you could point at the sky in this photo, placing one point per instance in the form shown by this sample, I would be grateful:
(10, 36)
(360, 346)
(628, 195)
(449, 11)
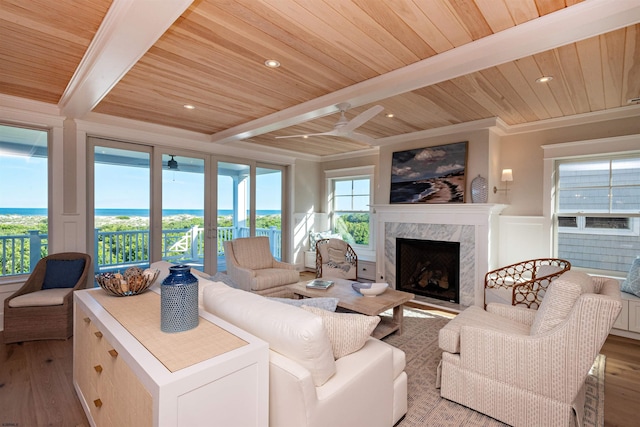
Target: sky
(22, 185)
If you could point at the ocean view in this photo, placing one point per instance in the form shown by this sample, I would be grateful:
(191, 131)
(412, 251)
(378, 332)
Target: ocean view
(130, 212)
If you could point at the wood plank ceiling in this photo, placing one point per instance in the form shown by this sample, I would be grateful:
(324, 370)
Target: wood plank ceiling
(213, 56)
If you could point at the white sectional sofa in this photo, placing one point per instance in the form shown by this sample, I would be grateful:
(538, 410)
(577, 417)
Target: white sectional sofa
(307, 386)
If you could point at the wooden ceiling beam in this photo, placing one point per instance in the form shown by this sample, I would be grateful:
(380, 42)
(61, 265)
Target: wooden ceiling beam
(129, 29)
(569, 25)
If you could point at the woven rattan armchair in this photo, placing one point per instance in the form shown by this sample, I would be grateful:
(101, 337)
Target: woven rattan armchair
(523, 283)
(41, 321)
(336, 258)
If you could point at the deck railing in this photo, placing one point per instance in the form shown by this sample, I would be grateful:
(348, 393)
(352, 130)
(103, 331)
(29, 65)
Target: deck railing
(114, 250)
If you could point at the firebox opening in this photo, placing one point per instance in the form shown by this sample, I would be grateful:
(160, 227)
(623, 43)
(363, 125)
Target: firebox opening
(429, 268)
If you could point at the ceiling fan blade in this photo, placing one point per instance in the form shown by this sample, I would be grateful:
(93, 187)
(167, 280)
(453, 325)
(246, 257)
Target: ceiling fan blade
(362, 118)
(333, 132)
(365, 139)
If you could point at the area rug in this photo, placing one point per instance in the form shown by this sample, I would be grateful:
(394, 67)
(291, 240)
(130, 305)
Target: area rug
(419, 341)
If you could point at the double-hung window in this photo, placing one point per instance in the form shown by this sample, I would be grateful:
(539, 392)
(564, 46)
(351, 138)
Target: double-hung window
(598, 212)
(350, 198)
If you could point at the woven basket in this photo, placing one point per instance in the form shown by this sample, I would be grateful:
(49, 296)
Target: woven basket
(133, 282)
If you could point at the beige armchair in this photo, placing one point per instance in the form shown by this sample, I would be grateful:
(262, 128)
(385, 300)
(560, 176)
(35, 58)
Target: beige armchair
(42, 308)
(252, 267)
(336, 258)
(527, 367)
(523, 283)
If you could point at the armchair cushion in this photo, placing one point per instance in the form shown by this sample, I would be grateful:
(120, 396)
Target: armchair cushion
(449, 336)
(347, 331)
(62, 273)
(253, 253)
(560, 299)
(42, 298)
(336, 255)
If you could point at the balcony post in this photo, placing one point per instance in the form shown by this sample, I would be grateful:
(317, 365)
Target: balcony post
(34, 248)
(96, 263)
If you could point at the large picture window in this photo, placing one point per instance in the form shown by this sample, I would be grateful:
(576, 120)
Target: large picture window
(24, 229)
(597, 212)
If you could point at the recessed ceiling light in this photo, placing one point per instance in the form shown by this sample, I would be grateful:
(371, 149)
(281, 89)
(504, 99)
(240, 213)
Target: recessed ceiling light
(189, 106)
(271, 63)
(544, 79)
(389, 115)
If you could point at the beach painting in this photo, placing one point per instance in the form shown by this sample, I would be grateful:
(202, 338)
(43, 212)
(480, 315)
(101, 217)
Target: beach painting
(429, 175)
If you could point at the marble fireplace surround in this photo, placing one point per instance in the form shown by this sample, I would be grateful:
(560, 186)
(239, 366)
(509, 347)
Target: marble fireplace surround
(474, 226)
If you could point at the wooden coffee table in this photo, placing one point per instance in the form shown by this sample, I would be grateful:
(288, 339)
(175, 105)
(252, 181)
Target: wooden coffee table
(351, 300)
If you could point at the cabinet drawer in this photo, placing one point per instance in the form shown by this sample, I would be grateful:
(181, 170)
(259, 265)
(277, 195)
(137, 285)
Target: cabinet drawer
(367, 270)
(113, 393)
(634, 316)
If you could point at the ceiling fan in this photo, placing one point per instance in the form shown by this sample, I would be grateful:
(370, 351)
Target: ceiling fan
(172, 164)
(345, 128)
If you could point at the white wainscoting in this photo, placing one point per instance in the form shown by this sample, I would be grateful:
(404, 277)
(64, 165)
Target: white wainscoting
(522, 238)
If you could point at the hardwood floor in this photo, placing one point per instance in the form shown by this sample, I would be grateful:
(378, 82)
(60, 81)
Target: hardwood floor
(36, 384)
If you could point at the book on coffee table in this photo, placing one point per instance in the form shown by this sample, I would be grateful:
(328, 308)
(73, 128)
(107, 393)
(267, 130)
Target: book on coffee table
(319, 284)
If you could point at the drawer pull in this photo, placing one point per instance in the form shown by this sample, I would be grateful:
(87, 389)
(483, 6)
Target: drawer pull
(113, 353)
(87, 320)
(98, 334)
(98, 403)
(98, 368)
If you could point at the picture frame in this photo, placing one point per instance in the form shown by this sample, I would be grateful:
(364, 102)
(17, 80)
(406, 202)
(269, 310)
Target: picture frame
(430, 174)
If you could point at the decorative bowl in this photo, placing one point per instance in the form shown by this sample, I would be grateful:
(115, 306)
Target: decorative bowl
(134, 281)
(370, 289)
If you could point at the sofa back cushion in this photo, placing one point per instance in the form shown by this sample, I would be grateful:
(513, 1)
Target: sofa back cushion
(253, 252)
(559, 300)
(290, 331)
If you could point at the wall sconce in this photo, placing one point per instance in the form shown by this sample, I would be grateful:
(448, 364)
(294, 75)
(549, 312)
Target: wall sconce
(507, 176)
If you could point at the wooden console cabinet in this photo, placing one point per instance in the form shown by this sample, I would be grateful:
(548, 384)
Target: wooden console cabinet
(121, 382)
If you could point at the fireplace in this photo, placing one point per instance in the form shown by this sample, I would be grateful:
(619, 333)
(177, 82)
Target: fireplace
(429, 268)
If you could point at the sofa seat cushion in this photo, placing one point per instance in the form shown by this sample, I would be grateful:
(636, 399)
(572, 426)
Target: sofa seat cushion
(559, 300)
(253, 252)
(43, 298)
(290, 331)
(271, 277)
(449, 336)
(399, 361)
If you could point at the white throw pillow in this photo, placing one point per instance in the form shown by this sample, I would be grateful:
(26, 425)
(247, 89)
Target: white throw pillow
(347, 331)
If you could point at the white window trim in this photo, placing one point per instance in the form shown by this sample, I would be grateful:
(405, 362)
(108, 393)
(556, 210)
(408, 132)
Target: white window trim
(367, 252)
(552, 152)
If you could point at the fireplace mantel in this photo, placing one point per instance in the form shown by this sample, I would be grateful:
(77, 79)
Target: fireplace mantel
(473, 225)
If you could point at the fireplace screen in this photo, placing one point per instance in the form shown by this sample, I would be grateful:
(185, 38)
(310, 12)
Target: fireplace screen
(429, 268)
